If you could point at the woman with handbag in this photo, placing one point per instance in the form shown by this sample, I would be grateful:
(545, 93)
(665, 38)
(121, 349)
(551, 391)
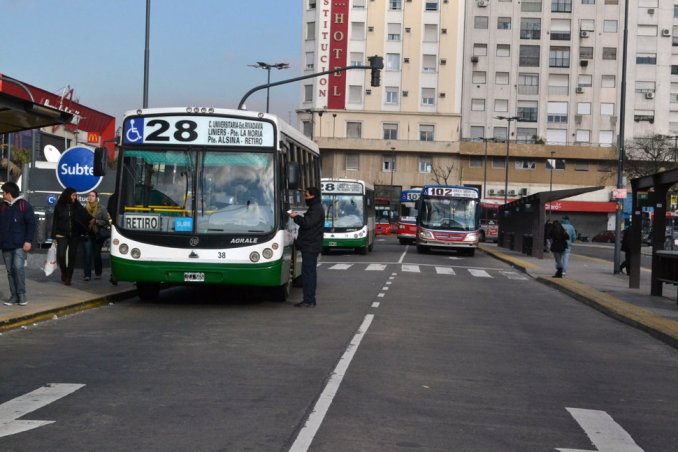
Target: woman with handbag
(71, 221)
(96, 236)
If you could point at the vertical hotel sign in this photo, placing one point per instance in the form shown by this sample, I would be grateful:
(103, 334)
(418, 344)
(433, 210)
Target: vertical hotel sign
(333, 37)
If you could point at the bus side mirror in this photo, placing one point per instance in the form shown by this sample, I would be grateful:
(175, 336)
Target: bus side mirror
(100, 158)
(293, 175)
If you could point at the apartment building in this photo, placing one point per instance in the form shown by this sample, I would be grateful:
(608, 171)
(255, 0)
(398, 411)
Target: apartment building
(406, 130)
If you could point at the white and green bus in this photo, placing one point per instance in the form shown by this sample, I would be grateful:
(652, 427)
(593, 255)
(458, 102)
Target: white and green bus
(202, 196)
(349, 214)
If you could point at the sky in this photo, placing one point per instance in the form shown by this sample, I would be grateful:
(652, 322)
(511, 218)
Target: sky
(199, 51)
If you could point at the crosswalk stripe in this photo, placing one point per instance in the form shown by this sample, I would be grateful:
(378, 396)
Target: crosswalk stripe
(376, 267)
(411, 268)
(479, 273)
(341, 266)
(514, 275)
(445, 271)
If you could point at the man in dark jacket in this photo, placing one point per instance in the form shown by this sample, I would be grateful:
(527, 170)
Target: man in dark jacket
(17, 229)
(310, 242)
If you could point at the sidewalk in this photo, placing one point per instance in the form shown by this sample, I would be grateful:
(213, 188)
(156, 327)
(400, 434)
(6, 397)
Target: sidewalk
(591, 281)
(49, 297)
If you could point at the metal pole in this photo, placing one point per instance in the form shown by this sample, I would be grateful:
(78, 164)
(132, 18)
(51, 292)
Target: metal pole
(268, 90)
(506, 171)
(485, 171)
(147, 52)
(552, 163)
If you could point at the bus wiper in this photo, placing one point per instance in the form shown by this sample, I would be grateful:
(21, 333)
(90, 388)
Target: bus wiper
(254, 230)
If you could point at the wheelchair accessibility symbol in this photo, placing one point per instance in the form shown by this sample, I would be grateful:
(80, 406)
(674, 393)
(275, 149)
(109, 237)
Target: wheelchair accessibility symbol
(134, 133)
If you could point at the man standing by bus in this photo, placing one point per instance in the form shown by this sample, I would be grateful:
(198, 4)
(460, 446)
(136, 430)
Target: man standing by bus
(310, 243)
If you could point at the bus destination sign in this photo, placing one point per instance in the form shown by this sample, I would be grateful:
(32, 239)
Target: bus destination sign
(451, 192)
(341, 187)
(198, 130)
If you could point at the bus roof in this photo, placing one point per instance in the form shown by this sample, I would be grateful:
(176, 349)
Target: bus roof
(343, 179)
(283, 127)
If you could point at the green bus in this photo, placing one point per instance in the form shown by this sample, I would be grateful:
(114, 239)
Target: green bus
(349, 214)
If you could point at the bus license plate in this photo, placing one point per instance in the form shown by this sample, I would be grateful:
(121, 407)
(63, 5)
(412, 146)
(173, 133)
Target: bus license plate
(333, 243)
(194, 277)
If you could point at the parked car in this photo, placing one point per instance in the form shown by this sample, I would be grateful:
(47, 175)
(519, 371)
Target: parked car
(605, 236)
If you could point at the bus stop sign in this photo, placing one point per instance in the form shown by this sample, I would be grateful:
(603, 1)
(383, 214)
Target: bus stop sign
(75, 169)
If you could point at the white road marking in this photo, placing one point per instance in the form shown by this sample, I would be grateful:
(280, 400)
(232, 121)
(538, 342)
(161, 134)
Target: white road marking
(381, 295)
(376, 267)
(388, 283)
(400, 261)
(514, 275)
(445, 271)
(22, 405)
(341, 266)
(312, 424)
(605, 434)
(411, 268)
(375, 304)
(385, 288)
(455, 258)
(479, 273)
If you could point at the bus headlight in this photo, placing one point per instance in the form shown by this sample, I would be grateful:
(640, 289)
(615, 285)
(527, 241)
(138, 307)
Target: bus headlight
(472, 237)
(274, 246)
(254, 256)
(268, 253)
(426, 235)
(136, 253)
(123, 248)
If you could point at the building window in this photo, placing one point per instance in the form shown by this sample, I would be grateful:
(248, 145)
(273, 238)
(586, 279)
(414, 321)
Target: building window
(530, 28)
(609, 53)
(475, 162)
(310, 60)
(392, 61)
(428, 96)
(646, 58)
(583, 108)
(588, 2)
(559, 57)
(393, 32)
(561, 6)
(527, 110)
(352, 162)
(559, 84)
(604, 167)
(392, 95)
(498, 162)
(430, 33)
(355, 94)
(479, 77)
(529, 56)
(555, 164)
(645, 86)
(354, 129)
(503, 50)
(608, 81)
(425, 164)
(501, 78)
(503, 23)
(307, 128)
(610, 26)
(426, 132)
(358, 31)
(480, 22)
(557, 112)
(429, 63)
(477, 104)
(500, 133)
(525, 164)
(528, 83)
(311, 4)
(606, 109)
(479, 49)
(583, 136)
(308, 93)
(501, 105)
(581, 165)
(526, 135)
(357, 59)
(585, 80)
(395, 4)
(530, 6)
(358, 4)
(477, 132)
(388, 163)
(560, 29)
(585, 53)
(587, 25)
(431, 5)
(390, 131)
(310, 31)
(605, 138)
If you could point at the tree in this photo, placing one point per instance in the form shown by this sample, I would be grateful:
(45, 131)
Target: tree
(650, 154)
(441, 175)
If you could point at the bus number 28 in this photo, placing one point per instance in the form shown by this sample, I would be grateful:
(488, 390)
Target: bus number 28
(184, 130)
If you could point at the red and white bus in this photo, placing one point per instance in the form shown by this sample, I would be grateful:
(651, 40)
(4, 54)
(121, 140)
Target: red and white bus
(448, 218)
(407, 223)
(489, 221)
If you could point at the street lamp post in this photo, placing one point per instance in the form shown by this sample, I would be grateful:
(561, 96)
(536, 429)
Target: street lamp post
(508, 140)
(485, 165)
(552, 163)
(268, 67)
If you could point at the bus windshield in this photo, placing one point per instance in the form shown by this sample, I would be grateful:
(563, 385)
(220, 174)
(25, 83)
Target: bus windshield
(456, 214)
(343, 211)
(198, 192)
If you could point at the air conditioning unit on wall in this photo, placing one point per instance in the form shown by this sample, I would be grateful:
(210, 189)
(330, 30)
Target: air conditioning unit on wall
(482, 3)
(491, 192)
(649, 95)
(666, 32)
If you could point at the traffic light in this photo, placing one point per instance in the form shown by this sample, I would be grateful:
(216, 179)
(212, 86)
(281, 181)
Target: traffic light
(376, 64)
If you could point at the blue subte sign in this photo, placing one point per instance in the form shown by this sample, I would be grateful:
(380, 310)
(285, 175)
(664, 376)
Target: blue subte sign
(76, 169)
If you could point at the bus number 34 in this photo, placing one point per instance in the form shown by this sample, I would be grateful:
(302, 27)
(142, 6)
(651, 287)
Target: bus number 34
(184, 130)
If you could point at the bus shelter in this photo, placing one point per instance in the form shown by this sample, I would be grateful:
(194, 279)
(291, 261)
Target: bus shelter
(521, 222)
(654, 189)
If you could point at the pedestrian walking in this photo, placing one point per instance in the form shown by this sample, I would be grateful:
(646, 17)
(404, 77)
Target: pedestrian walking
(559, 240)
(17, 230)
(310, 243)
(71, 221)
(548, 228)
(626, 248)
(572, 233)
(96, 236)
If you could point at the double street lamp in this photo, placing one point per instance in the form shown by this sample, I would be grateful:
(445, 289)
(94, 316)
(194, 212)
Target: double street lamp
(268, 67)
(508, 139)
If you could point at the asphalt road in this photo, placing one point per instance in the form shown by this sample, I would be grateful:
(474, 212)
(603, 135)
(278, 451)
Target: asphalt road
(432, 352)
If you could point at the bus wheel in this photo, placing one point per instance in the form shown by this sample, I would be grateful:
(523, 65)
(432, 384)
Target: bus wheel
(370, 247)
(471, 252)
(148, 291)
(362, 250)
(282, 293)
(422, 249)
(482, 235)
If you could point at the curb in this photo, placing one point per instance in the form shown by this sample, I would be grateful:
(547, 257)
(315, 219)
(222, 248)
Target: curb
(658, 327)
(20, 321)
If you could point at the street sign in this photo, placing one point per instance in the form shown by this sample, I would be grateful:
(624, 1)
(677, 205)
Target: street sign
(75, 169)
(619, 193)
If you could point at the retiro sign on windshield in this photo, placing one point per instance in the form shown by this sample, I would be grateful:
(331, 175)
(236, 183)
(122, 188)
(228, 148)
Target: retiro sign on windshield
(75, 169)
